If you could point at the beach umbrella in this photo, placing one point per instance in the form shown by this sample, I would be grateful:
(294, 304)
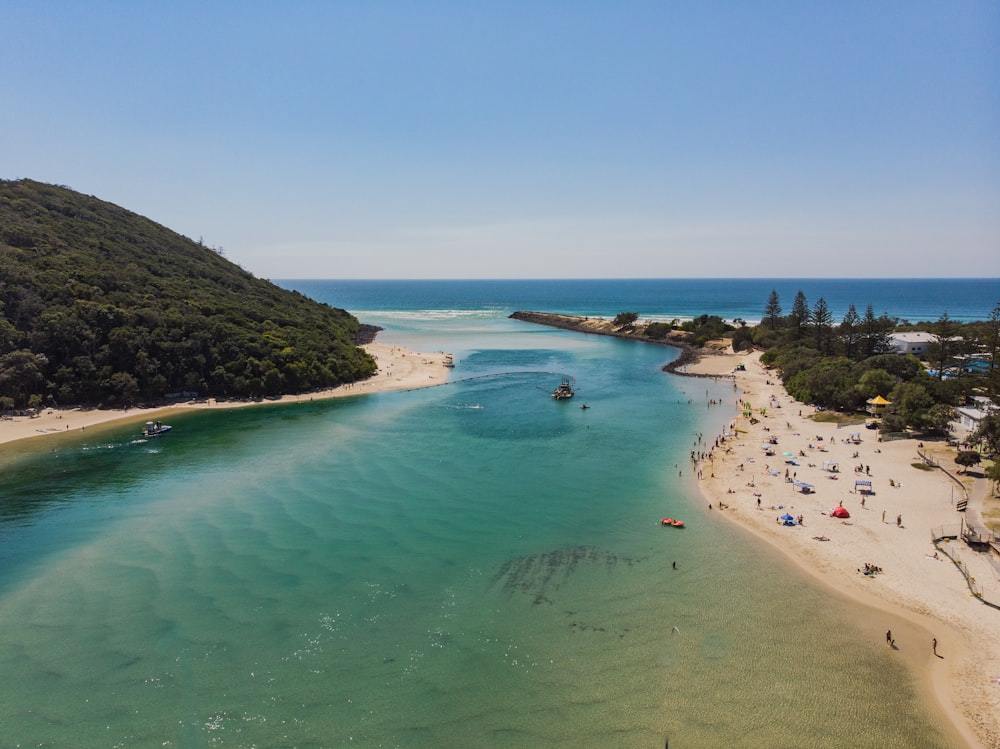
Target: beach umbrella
(786, 516)
(788, 454)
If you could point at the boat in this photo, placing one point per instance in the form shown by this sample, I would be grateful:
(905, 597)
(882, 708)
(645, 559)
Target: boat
(672, 522)
(564, 391)
(449, 361)
(155, 429)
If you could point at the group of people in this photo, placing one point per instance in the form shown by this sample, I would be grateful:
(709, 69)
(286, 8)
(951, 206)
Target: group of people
(870, 569)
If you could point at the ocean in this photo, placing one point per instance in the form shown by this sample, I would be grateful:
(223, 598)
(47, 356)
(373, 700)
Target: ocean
(912, 300)
(472, 564)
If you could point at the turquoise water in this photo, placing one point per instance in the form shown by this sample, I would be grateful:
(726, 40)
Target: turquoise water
(466, 565)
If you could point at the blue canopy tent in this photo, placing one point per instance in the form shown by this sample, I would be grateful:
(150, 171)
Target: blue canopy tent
(803, 487)
(864, 487)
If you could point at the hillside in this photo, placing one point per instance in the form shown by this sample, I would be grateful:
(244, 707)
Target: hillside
(101, 306)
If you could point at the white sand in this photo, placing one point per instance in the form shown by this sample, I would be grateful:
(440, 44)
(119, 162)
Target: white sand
(398, 369)
(917, 596)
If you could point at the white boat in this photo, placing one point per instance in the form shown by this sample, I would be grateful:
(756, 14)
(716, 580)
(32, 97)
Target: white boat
(155, 429)
(449, 361)
(564, 391)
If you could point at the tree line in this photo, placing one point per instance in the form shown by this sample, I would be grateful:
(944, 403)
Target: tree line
(841, 365)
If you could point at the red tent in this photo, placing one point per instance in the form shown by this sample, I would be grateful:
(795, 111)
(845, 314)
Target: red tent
(840, 512)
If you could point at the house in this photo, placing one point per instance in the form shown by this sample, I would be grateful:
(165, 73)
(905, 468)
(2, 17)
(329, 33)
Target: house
(915, 342)
(969, 417)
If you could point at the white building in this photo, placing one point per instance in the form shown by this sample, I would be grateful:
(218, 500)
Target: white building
(969, 417)
(911, 343)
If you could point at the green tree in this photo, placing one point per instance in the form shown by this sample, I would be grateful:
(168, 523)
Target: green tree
(941, 352)
(875, 382)
(827, 383)
(272, 381)
(772, 310)
(21, 375)
(822, 323)
(909, 401)
(968, 458)
(992, 472)
(936, 419)
(991, 342)
(988, 432)
(875, 332)
(624, 319)
(800, 314)
(658, 330)
(848, 331)
(122, 388)
(743, 339)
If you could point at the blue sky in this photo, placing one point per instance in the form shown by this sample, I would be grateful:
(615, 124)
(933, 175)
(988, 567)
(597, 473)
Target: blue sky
(525, 139)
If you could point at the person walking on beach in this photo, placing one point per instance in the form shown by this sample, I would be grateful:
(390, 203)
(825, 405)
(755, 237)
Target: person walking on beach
(899, 521)
(888, 637)
(934, 645)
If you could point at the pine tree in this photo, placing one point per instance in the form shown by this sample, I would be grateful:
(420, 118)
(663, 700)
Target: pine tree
(943, 351)
(849, 331)
(822, 322)
(800, 313)
(772, 311)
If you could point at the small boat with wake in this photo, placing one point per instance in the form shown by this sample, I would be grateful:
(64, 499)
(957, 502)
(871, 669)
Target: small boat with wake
(155, 429)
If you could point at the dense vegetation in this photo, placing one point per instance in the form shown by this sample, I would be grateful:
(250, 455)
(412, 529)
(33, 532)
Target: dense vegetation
(102, 306)
(697, 332)
(842, 365)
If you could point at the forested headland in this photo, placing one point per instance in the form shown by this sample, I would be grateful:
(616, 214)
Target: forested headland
(100, 306)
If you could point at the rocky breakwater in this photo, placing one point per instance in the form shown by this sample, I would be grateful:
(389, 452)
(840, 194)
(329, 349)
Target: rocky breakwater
(637, 331)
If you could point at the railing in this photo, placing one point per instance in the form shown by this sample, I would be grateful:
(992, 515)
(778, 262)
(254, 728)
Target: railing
(950, 533)
(961, 504)
(981, 536)
(893, 436)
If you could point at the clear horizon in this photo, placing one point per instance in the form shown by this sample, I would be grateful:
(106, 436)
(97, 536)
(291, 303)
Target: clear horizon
(501, 140)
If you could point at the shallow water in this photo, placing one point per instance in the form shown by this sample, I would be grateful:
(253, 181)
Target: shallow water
(467, 565)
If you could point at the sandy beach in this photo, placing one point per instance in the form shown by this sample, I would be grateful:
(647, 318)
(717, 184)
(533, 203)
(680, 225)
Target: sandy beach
(398, 369)
(919, 594)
